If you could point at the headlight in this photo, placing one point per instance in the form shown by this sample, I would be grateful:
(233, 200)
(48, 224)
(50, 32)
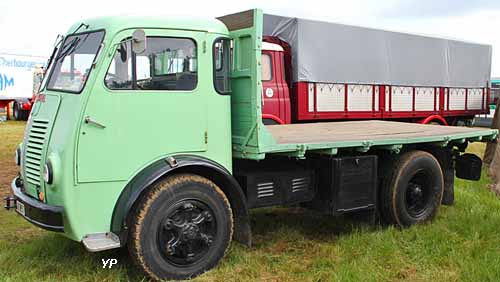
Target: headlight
(18, 156)
(48, 173)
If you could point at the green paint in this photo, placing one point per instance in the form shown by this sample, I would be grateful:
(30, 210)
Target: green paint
(92, 165)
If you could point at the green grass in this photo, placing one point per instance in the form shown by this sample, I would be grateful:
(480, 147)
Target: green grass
(462, 244)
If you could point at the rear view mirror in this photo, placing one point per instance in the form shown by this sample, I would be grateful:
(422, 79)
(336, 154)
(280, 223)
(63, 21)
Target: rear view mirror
(139, 41)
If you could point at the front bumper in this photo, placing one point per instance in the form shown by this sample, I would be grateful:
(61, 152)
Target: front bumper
(40, 214)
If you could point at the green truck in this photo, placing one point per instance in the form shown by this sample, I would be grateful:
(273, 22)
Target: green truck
(148, 134)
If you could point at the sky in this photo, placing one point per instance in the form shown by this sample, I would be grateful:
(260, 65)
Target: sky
(30, 27)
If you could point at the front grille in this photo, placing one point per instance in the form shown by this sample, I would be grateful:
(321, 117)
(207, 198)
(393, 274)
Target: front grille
(33, 153)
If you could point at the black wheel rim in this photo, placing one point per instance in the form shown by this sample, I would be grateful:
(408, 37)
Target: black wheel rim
(187, 232)
(418, 194)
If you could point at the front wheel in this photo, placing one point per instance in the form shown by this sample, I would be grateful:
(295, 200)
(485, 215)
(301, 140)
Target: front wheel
(412, 192)
(180, 228)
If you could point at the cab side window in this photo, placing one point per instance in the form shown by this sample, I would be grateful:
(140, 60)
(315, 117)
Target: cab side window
(222, 55)
(167, 64)
(267, 72)
(119, 76)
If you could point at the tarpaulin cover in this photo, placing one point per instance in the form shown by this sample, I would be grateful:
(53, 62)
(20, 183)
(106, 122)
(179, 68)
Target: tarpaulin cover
(337, 53)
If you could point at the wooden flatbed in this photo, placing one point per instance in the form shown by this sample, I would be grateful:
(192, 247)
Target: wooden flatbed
(372, 130)
(296, 140)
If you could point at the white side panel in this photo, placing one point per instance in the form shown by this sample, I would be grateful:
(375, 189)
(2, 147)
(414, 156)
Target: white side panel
(387, 99)
(310, 97)
(438, 99)
(475, 99)
(402, 99)
(330, 97)
(457, 99)
(377, 98)
(360, 98)
(424, 99)
(485, 98)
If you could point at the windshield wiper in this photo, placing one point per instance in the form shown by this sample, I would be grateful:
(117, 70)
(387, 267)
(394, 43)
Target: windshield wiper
(67, 50)
(72, 44)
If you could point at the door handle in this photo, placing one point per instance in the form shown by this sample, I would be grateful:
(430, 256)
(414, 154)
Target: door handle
(89, 120)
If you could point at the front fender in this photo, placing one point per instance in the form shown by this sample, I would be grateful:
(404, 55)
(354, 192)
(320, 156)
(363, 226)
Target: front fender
(183, 164)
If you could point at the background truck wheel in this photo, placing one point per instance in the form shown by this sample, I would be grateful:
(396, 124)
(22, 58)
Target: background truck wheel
(412, 192)
(18, 113)
(180, 228)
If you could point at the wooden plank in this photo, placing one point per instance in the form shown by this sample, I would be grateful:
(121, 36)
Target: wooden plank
(492, 154)
(489, 154)
(373, 130)
(494, 169)
(238, 21)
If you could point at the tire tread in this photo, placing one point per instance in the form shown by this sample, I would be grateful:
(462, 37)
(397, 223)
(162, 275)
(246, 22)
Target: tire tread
(141, 210)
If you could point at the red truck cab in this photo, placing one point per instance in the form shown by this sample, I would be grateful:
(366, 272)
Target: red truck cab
(275, 90)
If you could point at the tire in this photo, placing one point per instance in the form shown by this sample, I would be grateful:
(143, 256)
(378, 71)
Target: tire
(18, 113)
(15, 111)
(181, 228)
(412, 192)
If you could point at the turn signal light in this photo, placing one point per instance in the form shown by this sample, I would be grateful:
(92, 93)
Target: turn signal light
(41, 196)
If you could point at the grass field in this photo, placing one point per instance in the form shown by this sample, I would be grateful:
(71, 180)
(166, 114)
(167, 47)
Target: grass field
(462, 244)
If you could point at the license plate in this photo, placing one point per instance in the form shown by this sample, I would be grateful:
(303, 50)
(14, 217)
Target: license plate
(20, 208)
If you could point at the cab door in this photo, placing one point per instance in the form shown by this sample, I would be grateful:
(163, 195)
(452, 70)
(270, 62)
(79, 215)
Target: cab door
(271, 100)
(146, 105)
(275, 93)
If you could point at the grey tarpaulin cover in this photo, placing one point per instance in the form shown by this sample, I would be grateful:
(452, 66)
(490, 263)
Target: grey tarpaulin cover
(329, 52)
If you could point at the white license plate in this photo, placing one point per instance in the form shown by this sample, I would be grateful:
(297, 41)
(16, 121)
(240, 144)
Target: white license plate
(20, 208)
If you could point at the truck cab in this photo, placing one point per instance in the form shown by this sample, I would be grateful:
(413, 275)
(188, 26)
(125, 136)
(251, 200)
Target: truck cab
(101, 95)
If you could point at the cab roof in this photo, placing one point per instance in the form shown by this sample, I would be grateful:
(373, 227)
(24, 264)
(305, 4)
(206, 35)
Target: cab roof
(114, 24)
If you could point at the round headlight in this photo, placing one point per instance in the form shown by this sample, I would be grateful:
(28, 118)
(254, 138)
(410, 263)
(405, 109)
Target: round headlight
(48, 176)
(18, 156)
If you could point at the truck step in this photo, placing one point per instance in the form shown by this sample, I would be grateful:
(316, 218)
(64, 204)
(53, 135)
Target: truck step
(101, 241)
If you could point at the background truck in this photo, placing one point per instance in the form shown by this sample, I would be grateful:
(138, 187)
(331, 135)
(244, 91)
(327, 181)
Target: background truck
(175, 185)
(323, 71)
(20, 76)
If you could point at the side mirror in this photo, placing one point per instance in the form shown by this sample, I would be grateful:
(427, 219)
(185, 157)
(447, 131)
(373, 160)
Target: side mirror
(139, 41)
(123, 52)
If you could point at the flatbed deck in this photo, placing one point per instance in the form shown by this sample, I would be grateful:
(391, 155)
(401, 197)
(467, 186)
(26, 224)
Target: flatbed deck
(373, 130)
(296, 140)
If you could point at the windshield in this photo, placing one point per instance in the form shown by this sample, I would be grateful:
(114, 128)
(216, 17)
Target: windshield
(74, 60)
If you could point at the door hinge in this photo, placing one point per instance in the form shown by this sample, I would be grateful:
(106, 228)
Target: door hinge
(206, 137)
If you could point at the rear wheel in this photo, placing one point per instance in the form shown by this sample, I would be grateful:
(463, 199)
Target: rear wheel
(412, 192)
(180, 228)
